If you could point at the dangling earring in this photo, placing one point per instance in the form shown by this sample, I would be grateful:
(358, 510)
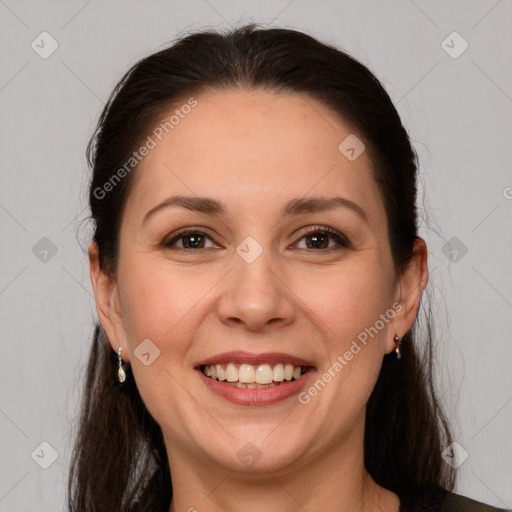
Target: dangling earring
(398, 342)
(121, 375)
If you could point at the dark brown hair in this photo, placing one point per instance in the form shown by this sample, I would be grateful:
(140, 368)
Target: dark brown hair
(119, 461)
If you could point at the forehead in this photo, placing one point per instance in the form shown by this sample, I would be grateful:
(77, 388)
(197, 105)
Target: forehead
(248, 146)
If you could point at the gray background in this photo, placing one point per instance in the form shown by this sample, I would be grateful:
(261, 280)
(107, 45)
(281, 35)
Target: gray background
(457, 111)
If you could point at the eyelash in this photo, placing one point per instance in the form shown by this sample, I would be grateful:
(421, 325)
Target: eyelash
(333, 234)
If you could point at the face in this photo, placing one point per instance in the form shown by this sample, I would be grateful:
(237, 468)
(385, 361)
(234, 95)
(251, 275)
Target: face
(253, 279)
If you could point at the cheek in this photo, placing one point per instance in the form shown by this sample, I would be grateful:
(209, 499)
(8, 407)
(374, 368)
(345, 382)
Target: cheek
(355, 314)
(347, 300)
(158, 300)
(159, 308)
(348, 305)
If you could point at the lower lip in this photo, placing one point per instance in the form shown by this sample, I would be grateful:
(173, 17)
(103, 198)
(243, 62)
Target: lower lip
(262, 396)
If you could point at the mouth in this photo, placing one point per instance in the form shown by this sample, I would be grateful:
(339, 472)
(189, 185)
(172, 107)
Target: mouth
(251, 376)
(255, 382)
(247, 378)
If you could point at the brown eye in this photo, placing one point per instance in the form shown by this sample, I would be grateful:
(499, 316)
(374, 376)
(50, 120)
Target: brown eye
(193, 241)
(190, 240)
(320, 238)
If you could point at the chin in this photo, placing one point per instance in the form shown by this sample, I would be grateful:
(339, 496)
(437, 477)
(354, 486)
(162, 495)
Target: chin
(257, 457)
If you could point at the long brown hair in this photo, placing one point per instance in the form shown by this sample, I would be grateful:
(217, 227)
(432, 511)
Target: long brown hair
(119, 461)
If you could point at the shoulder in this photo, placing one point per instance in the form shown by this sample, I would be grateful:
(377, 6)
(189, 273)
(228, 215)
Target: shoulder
(446, 501)
(457, 502)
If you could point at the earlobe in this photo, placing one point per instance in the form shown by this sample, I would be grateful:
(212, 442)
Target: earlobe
(411, 284)
(107, 304)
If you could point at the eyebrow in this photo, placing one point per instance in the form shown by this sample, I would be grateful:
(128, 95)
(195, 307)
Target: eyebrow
(299, 206)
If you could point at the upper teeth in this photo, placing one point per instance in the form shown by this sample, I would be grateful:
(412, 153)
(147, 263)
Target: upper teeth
(248, 373)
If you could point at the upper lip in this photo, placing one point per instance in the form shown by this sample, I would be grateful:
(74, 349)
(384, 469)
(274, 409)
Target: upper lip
(241, 357)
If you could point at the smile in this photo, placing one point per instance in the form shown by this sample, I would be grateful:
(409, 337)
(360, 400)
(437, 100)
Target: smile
(251, 376)
(277, 382)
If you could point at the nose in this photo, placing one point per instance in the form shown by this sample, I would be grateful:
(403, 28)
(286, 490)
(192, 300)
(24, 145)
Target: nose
(255, 295)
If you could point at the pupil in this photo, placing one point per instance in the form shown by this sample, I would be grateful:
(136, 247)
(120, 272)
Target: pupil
(196, 240)
(317, 238)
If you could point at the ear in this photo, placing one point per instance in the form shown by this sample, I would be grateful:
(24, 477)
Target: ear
(107, 303)
(409, 290)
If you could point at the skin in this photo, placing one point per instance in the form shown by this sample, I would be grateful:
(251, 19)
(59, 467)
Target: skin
(254, 151)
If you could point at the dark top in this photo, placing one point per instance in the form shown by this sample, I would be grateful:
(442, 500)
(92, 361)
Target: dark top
(446, 501)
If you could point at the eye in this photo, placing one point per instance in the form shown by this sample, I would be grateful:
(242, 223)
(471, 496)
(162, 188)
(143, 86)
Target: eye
(194, 241)
(320, 236)
(191, 241)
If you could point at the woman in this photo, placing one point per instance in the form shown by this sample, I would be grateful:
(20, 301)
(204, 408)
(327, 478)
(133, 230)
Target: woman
(258, 275)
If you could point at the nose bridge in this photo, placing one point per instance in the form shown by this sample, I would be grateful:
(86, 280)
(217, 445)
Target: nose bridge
(254, 292)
